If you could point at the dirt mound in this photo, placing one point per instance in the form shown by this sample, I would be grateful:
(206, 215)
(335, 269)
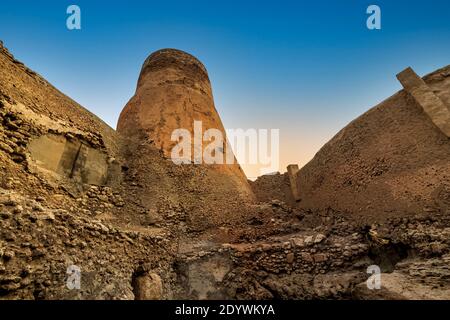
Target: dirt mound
(391, 161)
(275, 186)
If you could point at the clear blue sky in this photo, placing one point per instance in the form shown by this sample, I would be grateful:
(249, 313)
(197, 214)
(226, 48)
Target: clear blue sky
(306, 67)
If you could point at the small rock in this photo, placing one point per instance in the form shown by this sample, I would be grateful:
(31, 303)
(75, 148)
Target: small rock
(8, 255)
(103, 227)
(9, 236)
(438, 248)
(6, 148)
(38, 207)
(47, 215)
(5, 215)
(307, 257)
(320, 257)
(319, 238)
(309, 240)
(286, 245)
(148, 287)
(102, 197)
(298, 242)
(290, 258)
(37, 253)
(18, 209)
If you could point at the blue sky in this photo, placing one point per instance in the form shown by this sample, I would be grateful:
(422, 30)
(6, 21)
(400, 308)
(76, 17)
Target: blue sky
(307, 68)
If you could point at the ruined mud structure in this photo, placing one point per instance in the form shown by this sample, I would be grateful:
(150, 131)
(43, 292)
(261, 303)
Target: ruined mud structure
(74, 192)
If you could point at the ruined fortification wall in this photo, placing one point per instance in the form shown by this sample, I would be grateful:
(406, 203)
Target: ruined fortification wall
(59, 165)
(393, 160)
(173, 91)
(50, 134)
(166, 231)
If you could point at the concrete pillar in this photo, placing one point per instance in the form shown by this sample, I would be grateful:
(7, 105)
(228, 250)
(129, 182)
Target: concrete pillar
(292, 170)
(438, 112)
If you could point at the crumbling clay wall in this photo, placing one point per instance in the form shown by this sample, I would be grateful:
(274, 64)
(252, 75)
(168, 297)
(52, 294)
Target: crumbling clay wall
(173, 91)
(61, 201)
(273, 187)
(391, 161)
